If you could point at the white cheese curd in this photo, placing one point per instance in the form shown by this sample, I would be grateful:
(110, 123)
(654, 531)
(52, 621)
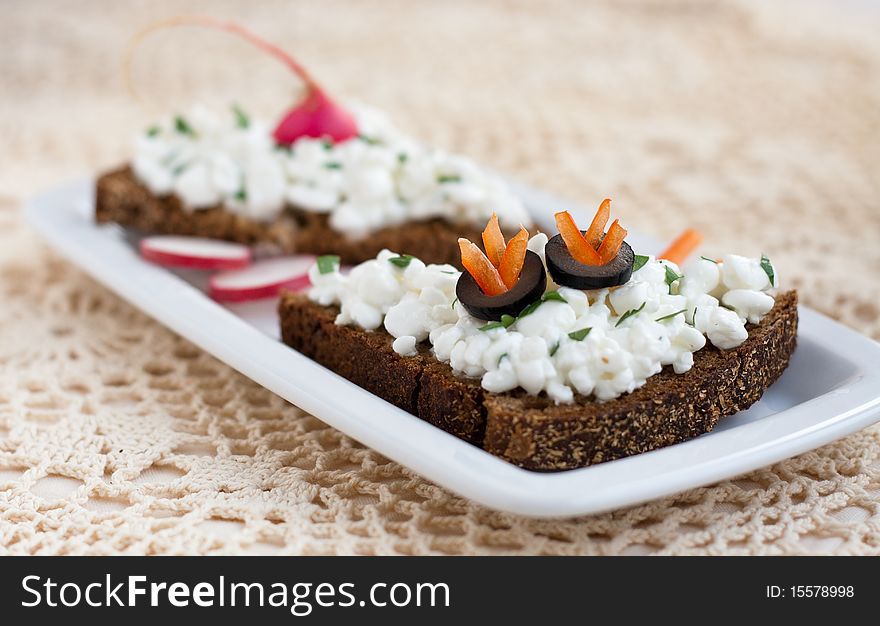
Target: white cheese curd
(748, 303)
(405, 345)
(381, 178)
(326, 286)
(195, 183)
(604, 342)
(407, 296)
(702, 276)
(739, 272)
(725, 329)
(628, 297)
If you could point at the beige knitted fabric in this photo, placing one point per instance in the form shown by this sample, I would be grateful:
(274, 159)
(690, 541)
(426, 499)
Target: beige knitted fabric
(756, 123)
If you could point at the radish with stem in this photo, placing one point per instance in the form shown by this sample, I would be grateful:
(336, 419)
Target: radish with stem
(316, 115)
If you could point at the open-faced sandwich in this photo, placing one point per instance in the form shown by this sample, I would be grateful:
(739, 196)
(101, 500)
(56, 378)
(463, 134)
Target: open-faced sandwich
(324, 179)
(553, 354)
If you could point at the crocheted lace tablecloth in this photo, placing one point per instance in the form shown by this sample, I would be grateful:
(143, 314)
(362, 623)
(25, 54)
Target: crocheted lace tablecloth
(756, 123)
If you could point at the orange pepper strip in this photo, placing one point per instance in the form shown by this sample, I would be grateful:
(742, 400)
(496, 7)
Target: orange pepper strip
(612, 242)
(597, 227)
(478, 266)
(680, 249)
(514, 257)
(574, 241)
(493, 241)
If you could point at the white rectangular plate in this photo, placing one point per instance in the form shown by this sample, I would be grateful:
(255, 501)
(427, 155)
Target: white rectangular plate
(831, 388)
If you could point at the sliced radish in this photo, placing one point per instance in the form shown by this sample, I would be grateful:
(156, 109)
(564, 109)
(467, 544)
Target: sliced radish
(195, 252)
(263, 279)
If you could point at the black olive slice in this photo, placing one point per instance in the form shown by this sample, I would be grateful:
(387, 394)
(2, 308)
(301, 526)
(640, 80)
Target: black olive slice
(568, 272)
(530, 287)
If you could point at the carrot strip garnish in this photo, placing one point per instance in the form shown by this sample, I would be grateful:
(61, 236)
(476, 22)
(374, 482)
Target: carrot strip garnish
(582, 251)
(680, 249)
(514, 256)
(482, 270)
(493, 241)
(597, 227)
(612, 242)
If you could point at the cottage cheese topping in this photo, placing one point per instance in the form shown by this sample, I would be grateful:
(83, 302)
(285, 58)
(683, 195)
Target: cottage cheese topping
(549, 349)
(406, 296)
(379, 179)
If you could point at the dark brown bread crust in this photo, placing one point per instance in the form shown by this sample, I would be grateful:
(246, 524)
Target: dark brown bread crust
(122, 199)
(364, 358)
(453, 403)
(532, 431)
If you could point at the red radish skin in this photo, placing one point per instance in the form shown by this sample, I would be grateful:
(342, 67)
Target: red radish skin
(195, 253)
(263, 279)
(317, 115)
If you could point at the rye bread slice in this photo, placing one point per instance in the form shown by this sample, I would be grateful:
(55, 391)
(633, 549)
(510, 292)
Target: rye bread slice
(122, 199)
(532, 431)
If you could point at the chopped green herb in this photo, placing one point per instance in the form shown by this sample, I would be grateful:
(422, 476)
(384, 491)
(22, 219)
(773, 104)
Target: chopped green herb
(401, 260)
(402, 157)
(333, 165)
(767, 266)
(670, 316)
(530, 308)
(449, 179)
(639, 262)
(152, 131)
(629, 314)
(448, 272)
(368, 140)
(705, 258)
(241, 195)
(182, 126)
(328, 145)
(579, 335)
(328, 263)
(178, 170)
(506, 321)
(241, 118)
(501, 358)
(554, 349)
(550, 295)
(671, 276)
